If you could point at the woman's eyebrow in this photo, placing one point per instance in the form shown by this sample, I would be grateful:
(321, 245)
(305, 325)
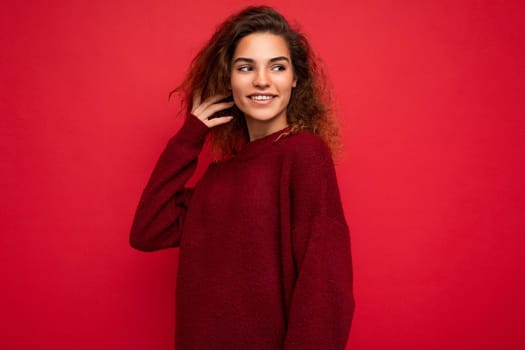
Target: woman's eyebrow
(280, 58)
(251, 60)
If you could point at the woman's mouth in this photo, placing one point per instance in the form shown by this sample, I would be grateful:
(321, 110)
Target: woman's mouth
(262, 99)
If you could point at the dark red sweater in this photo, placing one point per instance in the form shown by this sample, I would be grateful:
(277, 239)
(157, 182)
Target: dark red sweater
(264, 259)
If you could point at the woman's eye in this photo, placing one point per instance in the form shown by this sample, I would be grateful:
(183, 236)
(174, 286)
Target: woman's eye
(278, 67)
(244, 68)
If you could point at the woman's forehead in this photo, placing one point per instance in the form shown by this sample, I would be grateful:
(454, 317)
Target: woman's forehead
(261, 47)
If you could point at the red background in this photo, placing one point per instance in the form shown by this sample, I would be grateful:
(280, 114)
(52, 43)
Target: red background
(430, 95)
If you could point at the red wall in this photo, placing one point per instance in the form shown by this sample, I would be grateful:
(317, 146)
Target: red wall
(431, 101)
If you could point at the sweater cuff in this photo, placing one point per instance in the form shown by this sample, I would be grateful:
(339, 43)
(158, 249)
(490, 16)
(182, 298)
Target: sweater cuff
(193, 131)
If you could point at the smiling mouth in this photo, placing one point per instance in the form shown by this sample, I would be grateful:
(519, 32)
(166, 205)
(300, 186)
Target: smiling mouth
(261, 98)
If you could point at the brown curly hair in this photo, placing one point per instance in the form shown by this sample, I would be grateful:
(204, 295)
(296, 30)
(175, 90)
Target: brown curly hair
(310, 106)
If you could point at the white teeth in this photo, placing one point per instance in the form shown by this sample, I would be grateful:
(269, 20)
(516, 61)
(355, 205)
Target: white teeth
(261, 97)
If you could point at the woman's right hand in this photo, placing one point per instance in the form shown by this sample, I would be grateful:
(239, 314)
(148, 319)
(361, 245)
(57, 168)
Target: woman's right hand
(204, 110)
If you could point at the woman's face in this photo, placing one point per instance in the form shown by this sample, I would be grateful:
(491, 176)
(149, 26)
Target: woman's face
(262, 79)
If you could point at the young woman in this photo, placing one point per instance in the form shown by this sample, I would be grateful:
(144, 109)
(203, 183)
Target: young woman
(264, 257)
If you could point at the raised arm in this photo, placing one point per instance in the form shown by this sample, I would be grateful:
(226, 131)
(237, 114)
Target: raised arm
(163, 204)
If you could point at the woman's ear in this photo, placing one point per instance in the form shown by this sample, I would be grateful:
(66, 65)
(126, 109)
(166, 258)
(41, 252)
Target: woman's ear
(294, 82)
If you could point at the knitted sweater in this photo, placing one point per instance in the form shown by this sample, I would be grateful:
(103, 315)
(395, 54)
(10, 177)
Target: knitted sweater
(264, 260)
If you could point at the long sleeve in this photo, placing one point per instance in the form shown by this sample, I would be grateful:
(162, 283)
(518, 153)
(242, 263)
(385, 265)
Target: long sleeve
(322, 302)
(163, 204)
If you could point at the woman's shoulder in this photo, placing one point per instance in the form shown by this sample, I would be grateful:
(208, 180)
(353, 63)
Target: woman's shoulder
(306, 145)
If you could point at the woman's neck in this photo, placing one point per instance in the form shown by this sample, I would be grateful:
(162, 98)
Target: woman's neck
(258, 129)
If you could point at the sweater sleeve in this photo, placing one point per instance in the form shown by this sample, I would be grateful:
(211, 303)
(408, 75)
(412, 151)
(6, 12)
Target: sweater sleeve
(163, 204)
(322, 302)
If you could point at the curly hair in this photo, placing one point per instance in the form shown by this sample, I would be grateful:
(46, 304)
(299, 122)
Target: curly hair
(310, 107)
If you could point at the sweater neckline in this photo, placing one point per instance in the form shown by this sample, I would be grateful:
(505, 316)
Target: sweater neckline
(253, 148)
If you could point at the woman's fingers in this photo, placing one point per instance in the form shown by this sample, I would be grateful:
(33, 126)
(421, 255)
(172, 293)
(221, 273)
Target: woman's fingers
(209, 107)
(214, 108)
(199, 106)
(217, 121)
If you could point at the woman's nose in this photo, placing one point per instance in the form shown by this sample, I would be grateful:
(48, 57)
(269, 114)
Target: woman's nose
(261, 78)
